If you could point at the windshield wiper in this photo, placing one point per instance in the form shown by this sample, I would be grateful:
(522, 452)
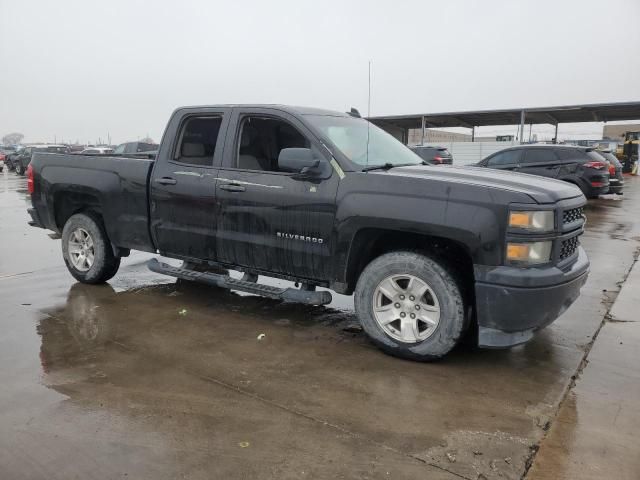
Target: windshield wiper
(387, 166)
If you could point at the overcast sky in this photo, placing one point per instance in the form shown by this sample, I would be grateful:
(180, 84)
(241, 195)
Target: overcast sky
(84, 69)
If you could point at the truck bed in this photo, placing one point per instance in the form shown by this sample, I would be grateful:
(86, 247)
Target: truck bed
(116, 185)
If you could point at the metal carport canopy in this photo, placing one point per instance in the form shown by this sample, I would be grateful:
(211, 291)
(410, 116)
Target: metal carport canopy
(597, 112)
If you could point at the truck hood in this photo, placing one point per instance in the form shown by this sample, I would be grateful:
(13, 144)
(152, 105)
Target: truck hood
(540, 189)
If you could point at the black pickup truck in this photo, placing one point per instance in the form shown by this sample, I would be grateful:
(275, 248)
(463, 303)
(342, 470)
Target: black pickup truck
(326, 199)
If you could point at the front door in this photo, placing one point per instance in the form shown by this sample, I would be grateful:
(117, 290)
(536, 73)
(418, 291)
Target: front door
(267, 218)
(183, 190)
(505, 160)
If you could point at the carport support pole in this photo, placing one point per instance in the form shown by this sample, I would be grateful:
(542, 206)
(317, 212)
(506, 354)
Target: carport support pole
(473, 133)
(521, 127)
(424, 127)
(555, 137)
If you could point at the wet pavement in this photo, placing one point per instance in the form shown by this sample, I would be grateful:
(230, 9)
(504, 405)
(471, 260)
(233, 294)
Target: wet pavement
(595, 434)
(151, 378)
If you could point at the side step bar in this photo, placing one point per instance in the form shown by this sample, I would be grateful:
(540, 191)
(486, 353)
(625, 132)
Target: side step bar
(225, 281)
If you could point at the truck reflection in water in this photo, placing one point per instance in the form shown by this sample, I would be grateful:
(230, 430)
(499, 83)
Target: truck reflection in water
(98, 321)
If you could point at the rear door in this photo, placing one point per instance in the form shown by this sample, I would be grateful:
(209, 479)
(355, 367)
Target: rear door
(570, 161)
(267, 218)
(540, 161)
(183, 192)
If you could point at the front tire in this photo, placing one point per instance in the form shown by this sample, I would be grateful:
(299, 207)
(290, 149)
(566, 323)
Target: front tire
(19, 169)
(410, 305)
(87, 251)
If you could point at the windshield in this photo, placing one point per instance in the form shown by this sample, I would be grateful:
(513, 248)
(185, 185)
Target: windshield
(349, 135)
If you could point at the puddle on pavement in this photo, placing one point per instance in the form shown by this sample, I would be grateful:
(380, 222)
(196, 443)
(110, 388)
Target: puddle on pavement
(93, 316)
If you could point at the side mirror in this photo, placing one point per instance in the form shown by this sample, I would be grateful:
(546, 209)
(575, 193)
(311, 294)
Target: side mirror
(300, 161)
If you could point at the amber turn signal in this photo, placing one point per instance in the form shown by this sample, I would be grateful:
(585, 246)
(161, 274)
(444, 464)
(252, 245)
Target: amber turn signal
(517, 251)
(532, 253)
(541, 221)
(519, 219)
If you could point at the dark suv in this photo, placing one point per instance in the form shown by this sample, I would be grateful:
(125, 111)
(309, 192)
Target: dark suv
(582, 166)
(433, 155)
(135, 147)
(616, 179)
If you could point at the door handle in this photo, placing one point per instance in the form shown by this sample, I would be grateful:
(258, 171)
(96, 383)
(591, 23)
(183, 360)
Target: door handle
(232, 187)
(166, 181)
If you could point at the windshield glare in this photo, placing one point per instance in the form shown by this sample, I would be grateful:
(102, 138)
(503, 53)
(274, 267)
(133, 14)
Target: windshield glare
(349, 135)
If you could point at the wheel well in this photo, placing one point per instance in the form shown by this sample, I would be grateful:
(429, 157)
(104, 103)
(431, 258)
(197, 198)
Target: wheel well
(70, 203)
(573, 181)
(370, 243)
(581, 184)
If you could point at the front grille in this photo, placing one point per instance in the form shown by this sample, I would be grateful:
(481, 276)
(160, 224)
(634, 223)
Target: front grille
(570, 216)
(568, 247)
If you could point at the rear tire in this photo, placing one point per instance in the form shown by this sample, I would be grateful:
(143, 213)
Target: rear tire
(432, 322)
(87, 251)
(19, 169)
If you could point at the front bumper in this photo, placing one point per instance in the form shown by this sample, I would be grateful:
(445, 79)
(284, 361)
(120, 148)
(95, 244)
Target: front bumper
(616, 186)
(512, 303)
(593, 192)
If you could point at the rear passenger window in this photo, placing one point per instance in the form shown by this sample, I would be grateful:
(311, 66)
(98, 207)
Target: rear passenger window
(507, 157)
(567, 153)
(198, 140)
(539, 155)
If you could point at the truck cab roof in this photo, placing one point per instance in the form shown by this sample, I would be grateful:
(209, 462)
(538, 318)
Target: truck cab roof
(285, 108)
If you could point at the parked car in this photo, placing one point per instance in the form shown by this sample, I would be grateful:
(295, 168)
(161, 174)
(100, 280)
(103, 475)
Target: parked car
(433, 155)
(10, 156)
(616, 178)
(5, 151)
(97, 151)
(581, 166)
(329, 200)
(22, 160)
(135, 147)
(77, 148)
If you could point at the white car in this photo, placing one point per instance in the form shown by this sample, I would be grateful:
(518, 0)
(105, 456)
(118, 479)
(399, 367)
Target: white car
(97, 151)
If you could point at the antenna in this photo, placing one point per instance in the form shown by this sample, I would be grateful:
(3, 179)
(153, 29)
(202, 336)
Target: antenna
(369, 96)
(368, 112)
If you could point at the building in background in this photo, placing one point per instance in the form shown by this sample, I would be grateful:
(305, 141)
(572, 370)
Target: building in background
(433, 137)
(616, 132)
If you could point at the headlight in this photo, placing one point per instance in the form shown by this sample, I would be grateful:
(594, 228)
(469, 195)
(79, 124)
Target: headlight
(532, 253)
(535, 221)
